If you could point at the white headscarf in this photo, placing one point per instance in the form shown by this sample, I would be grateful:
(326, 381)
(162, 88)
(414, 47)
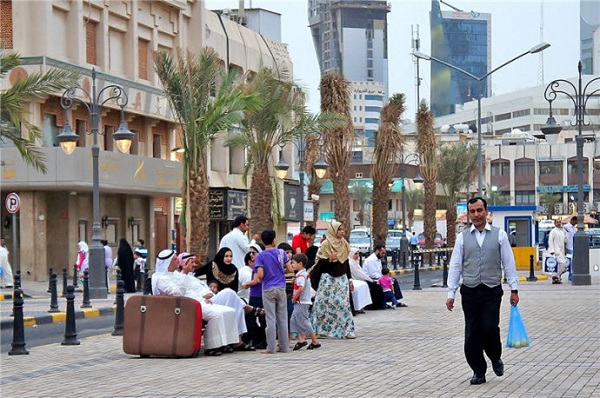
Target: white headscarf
(355, 270)
(83, 247)
(163, 260)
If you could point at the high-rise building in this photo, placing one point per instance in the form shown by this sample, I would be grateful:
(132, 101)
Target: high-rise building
(351, 37)
(462, 39)
(589, 30)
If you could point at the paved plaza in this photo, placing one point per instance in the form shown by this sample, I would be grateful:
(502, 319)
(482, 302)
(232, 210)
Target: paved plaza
(408, 352)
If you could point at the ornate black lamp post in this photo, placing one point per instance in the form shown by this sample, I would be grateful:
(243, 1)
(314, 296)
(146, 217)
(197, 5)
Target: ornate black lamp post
(68, 140)
(579, 95)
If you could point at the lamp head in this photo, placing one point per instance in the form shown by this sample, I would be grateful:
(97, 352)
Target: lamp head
(281, 168)
(321, 168)
(539, 48)
(551, 130)
(123, 137)
(421, 55)
(418, 180)
(68, 139)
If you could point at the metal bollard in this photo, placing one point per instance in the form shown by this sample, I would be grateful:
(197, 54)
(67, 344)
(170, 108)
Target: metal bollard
(146, 275)
(50, 280)
(118, 330)
(86, 290)
(445, 272)
(532, 277)
(417, 280)
(17, 280)
(119, 279)
(53, 294)
(75, 278)
(70, 328)
(18, 341)
(65, 282)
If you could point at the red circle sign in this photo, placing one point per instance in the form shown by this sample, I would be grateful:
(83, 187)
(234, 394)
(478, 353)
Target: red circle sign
(13, 203)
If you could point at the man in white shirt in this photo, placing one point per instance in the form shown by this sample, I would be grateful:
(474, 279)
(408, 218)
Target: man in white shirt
(480, 253)
(571, 229)
(556, 248)
(372, 264)
(237, 241)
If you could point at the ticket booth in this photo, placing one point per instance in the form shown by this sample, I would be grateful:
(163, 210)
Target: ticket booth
(520, 223)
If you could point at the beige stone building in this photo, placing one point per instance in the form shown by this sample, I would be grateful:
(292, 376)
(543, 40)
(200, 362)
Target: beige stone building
(138, 190)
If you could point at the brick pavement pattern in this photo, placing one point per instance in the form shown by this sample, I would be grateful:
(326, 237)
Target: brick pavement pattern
(411, 352)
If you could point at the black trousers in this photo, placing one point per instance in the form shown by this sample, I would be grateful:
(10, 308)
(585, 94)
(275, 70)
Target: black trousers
(481, 306)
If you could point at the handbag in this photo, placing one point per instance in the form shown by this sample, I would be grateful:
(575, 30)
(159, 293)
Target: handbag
(517, 334)
(550, 265)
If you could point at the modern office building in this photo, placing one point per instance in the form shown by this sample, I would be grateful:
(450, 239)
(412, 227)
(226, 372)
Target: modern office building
(462, 39)
(589, 30)
(350, 36)
(139, 190)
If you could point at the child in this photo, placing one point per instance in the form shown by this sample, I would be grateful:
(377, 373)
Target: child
(300, 322)
(387, 284)
(213, 286)
(139, 264)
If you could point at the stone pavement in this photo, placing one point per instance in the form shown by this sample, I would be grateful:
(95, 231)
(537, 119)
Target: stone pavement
(409, 352)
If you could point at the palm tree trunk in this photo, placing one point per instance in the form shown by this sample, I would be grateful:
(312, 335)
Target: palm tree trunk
(261, 199)
(380, 207)
(450, 220)
(197, 212)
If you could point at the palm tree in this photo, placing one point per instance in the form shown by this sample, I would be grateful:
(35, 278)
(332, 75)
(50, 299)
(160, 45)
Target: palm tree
(388, 143)
(281, 118)
(203, 108)
(494, 196)
(362, 195)
(549, 199)
(335, 98)
(14, 106)
(427, 149)
(457, 165)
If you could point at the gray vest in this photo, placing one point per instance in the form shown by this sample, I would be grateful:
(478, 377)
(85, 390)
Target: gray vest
(481, 264)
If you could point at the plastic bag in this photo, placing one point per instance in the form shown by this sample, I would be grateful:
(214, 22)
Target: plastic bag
(517, 335)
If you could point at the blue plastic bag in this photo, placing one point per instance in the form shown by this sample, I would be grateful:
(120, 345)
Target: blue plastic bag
(517, 335)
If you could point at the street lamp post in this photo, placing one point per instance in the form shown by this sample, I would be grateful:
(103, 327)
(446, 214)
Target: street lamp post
(579, 95)
(411, 158)
(68, 140)
(533, 50)
(320, 166)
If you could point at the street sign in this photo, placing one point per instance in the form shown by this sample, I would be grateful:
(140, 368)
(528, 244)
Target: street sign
(13, 203)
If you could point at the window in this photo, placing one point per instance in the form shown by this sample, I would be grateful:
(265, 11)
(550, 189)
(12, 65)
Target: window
(553, 167)
(108, 137)
(156, 146)
(372, 109)
(526, 167)
(524, 197)
(80, 130)
(504, 116)
(133, 150)
(521, 113)
(143, 59)
(500, 168)
(374, 97)
(91, 40)
(372, 120)
(50, 130)
(6, 29)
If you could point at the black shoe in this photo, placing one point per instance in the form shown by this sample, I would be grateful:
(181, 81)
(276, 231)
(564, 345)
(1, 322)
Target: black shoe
(477, 380)
(498, 367)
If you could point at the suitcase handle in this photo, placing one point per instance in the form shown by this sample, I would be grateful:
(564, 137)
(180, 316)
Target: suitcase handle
(177, 311)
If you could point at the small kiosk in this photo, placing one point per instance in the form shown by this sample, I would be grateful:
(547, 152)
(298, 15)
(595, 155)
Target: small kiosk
(521, 225)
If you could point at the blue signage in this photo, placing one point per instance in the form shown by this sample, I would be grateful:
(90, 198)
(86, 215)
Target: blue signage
(562, 188)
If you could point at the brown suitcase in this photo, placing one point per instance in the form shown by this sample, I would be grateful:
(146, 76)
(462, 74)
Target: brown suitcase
(165, 326)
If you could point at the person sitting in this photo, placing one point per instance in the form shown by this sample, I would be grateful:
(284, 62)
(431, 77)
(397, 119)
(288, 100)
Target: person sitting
(221, 269)
(360, 295)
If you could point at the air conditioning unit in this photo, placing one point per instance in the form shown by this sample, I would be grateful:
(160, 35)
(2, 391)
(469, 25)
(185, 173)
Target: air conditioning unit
(558, 208)
(358, 175)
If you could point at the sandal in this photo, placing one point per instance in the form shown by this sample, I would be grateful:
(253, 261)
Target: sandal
(213, 353)
(243, 347)
(300, 345)
(312, 346)
(401, 305)
(226, 349)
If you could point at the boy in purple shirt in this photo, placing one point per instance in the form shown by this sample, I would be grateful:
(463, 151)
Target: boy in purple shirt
(271, 265)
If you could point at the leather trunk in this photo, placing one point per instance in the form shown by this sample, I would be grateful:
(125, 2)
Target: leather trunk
(165, 326)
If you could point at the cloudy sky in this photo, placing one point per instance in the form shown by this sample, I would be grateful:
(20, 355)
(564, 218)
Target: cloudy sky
(516, 27)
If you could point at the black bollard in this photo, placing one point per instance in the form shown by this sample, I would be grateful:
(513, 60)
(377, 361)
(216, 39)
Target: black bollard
(65, 282)
(146, 275)
(532, 277)
(53, 294)
(50, 280)
(70, 328)
(417, 281)
(17, 280)
(18, 341)
(75, 278)
(118, 331)
(86, 290)
(119, 279)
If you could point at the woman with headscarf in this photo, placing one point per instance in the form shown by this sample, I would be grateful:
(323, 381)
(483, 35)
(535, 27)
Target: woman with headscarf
(330, 277)
(82, 257)
(125, 264)
(221, 269)
(360, 295)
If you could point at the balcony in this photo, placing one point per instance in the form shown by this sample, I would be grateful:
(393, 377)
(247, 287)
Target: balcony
(119, 173)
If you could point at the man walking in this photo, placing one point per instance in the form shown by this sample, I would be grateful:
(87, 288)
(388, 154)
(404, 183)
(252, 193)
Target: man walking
(556, 248)
(237, 240)
(571, 229)
(479, 255)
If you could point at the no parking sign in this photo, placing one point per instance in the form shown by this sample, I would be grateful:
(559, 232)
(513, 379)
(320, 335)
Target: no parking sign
(13, 203)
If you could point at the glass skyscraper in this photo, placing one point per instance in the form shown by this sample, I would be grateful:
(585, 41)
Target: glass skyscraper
(462, 39)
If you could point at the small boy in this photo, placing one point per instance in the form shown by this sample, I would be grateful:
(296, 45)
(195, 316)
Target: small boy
(387, 284)
(139, 263)
(214, 287)
(300, 322)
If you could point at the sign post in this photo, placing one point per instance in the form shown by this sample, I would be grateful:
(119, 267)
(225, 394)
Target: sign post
(13, 204)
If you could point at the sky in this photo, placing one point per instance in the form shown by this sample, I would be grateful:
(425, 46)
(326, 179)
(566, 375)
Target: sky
(516, 27)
